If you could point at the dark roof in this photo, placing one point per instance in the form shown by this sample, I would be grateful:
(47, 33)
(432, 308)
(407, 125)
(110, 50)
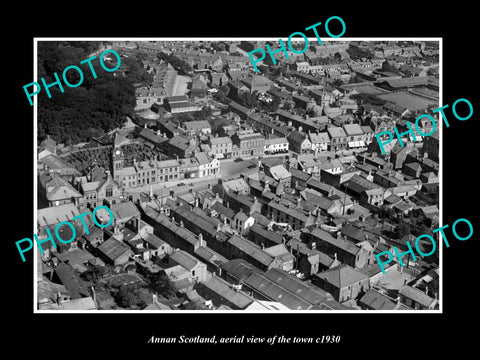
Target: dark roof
(357, 233)
(358, 184)
(377, 301)
(271, 290)
(342, 276)
(151, 136)
(296, 137)
(69, 278)
(239, 268)
(251, 249)
(309, 293)
(223, 210)
(325, 236)
(113, 249)
(270, 235)
(298, 174)
(194, 218)
(154, 241)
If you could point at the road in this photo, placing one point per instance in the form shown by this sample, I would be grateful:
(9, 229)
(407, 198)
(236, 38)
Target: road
(229, 169)
(180, 85)
(164, 190)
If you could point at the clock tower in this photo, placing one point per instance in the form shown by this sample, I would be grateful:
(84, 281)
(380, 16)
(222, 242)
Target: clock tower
(117, 159)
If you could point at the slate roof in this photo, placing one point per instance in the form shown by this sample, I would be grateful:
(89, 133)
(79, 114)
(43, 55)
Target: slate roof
(59, 189)
(325, 236)
(113, 249)
(352, 129)
(269, 289)
(72, 282)
(251, 249)
(223, 288)
(239, 268)
(124, 211)
(56, 214)
(184, 259)
(377, 301)
(416, 295)
(342, 276)
(270, 235)
(309, 293)
(336, 132)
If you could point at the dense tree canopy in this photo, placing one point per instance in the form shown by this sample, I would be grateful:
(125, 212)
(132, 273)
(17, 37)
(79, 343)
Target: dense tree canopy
(175, 61)
(99, 104)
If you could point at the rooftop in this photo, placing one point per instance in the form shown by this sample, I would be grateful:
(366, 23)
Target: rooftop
(342, 276)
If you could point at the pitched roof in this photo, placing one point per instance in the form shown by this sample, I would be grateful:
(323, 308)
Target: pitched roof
(342, 276)
(220, 140)
(153, 241)
(221, 209)
(223, 288)
(251, 249)
(210, 256)
(352, 129)
(269, 289)
(320, 138)
(124, 210)
(239, 268)
(295, 213)
(377, 301)
(184, 259)
(113, 248)
(279, 172)
(197, 125)
(336, 132)
(72, 281)
(297, 137)
(270, 235)
(325, 236)
(202, 158)
(55, 163)
(309, 293)
(416, 295)
(298, 174)
(56, 214)
(59, 189)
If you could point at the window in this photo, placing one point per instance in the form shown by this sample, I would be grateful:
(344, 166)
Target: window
(109, 192)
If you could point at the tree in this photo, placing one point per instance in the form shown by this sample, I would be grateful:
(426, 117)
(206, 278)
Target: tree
(401, 230)
(94, 273)
(161, 283)
(221, 96)
(130, 296)
(101, 103)
(337, 83)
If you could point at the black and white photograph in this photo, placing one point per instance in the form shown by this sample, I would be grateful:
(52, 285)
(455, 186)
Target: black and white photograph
(251, 179)
(236, 189)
